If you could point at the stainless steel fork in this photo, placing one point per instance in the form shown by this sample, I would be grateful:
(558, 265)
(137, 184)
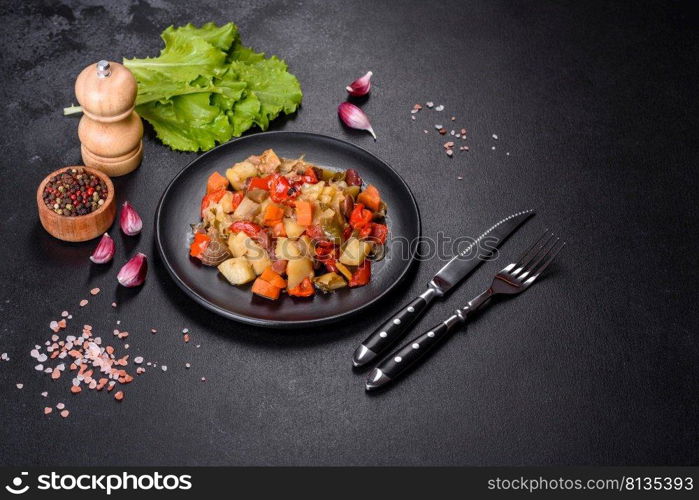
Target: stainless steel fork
(513, 279)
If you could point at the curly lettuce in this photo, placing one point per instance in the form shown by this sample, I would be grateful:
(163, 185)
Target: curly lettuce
(206, 87)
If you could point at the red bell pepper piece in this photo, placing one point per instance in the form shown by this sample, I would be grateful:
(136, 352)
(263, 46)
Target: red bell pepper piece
(259, 183)
(360, 216)
(309, 176)
(280, 189)
(361, 275)
(237, 198)
(247, 227)
(303, 289)
(199, 245)
(209, 198)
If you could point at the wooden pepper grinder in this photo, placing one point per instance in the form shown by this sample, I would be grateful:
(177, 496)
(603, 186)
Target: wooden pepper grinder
(110, 131)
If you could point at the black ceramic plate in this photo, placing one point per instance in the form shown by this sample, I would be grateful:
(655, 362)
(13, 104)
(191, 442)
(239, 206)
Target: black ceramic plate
(179, 207)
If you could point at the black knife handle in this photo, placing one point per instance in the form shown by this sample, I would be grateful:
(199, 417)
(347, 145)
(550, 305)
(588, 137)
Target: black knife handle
(408, 355)
(393, 330)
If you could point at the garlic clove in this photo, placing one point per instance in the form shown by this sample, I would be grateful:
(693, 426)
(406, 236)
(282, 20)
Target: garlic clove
(133, 273)
(361, 86)
(104, 251)
(354, 117)
(131, 223)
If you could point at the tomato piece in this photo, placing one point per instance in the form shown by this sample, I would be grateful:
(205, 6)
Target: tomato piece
(360, 216)
(361, 275)
(303, 289)
(199, 245)
(247, 227)
(209, 198)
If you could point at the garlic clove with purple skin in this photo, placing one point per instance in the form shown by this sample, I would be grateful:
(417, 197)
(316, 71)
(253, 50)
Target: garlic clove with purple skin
(361, 86)
(129, 220)
(133, 273)
(354, 117)
(104, 251)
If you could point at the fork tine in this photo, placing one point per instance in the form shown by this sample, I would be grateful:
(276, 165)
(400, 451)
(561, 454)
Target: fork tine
(545, 264)
(531, 252)
(540, 255)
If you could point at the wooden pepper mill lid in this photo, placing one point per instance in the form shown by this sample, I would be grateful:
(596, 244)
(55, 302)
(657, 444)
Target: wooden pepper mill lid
(106, 91)
(110, 130)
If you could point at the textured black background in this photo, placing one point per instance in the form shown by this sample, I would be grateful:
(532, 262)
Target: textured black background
(597, 364)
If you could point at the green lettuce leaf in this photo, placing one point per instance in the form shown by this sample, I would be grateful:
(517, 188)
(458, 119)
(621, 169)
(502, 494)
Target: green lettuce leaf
(206, 87)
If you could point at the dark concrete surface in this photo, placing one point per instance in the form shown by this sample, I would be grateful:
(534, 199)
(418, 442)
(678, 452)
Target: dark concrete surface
(597, 364)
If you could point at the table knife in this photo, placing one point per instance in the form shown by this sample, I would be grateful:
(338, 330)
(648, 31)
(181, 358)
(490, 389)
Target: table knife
(451, 274)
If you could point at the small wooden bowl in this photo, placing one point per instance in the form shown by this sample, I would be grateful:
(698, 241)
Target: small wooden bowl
(77, 227)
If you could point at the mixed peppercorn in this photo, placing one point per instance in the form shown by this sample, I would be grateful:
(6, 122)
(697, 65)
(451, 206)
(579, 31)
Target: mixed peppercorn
(75, 192)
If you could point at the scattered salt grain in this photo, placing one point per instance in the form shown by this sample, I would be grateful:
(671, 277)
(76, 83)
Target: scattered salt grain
(429, 104)
(65, 413)
(453, 118)
(60, 406)
(164, 368)
(39, 367)
(83, 303)
(153, 330)
(95, 291)
(495, 136)
(412, 117)
(64, 314)
(113, 304)
(459, 177)
(203, 379)
(439, 108)
(187, 365)
(47, 410)
(438, 127)
(185, 330)
(493, 148)
(425, 131)
(450, 153)
(138, 360)
(4, 356)
(452, 132)
(19, 386)
(45, 394)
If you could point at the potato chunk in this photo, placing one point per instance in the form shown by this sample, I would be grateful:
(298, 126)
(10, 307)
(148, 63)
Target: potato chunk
(354, 252)
(237, 270)
(297, 270)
